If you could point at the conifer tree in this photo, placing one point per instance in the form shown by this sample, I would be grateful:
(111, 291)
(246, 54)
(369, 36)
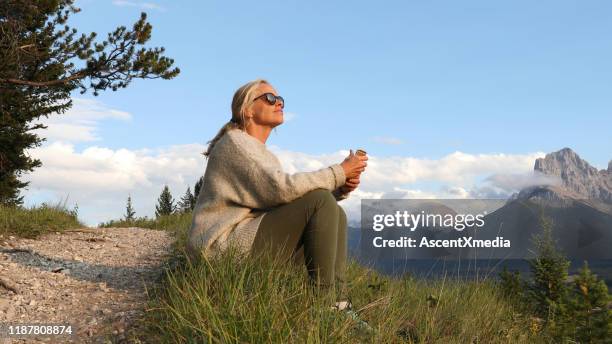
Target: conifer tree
(187, 202)
(547, 291)
(592, 318)
(165, 203)
(43, 60)
(198, 187)
(129, 211)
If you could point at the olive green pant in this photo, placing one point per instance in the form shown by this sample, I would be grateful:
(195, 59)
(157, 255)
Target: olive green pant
(310, 230)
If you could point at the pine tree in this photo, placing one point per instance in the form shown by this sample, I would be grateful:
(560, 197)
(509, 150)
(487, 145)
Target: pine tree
(165, 203)
(43, 60)
(129, 211)
(511, 283)
(547, 291)
(593, 319)
(187, 202)
(198, 187)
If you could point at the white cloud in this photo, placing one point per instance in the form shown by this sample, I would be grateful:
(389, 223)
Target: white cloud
(79, 123)
(139, 4)
(504, 185)
(396, 177)
(387, 140)
(516, 181)
(99, 179)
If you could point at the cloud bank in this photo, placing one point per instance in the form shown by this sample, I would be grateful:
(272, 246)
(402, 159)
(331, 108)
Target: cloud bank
(99, 179)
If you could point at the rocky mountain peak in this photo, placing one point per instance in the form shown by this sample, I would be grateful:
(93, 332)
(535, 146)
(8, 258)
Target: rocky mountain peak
(577, 175)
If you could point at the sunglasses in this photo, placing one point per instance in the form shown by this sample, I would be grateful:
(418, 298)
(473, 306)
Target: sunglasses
(271, 99)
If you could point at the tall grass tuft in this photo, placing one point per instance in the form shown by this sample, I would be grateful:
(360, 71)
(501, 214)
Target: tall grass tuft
(235, 299)
(36, 220)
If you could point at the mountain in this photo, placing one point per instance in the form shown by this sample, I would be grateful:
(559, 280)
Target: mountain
(578, 177)
(580, 208)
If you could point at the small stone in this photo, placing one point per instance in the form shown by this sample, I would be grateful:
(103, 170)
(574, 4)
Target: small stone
(106, 311)
(103, 287)
(32, 303)
(4, 304)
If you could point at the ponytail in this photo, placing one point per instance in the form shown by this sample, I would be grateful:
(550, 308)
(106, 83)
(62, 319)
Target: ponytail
(211, 144)
(243, 98)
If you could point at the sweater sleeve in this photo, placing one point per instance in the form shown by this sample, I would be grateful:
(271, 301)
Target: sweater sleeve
(263, 184)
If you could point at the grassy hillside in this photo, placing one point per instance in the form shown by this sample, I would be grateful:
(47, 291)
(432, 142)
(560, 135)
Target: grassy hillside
(232, 298)
(239, 299)
(260, 300)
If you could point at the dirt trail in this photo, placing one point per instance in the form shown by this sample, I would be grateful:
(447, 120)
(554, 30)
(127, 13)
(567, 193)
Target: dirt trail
(92, 279)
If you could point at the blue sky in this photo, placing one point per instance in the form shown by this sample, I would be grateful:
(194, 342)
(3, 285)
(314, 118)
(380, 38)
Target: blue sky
(403, 80)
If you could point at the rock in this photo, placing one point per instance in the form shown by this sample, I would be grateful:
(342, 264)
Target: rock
(576, 175)
(9, 312)
(32, 302)
(4, 304)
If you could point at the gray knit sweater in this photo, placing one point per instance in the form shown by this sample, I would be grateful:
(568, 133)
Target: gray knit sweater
(242, 181)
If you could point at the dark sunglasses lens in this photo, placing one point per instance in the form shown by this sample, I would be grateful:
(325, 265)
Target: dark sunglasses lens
(270, 98)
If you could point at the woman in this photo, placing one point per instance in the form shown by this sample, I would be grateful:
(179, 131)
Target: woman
(247, 200)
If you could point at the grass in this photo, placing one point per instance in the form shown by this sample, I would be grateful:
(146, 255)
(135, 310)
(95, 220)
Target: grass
(33, 221)
(236, 299)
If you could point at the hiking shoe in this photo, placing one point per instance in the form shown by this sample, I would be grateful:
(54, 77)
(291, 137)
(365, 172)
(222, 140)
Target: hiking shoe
(347, 308)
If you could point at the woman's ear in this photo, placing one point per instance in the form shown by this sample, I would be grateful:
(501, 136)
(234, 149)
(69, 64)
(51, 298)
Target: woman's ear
(248, 113)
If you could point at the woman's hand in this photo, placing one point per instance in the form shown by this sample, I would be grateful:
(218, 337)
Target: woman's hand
(353, 165)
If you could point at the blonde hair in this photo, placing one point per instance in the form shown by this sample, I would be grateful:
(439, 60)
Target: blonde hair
(243, 99)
